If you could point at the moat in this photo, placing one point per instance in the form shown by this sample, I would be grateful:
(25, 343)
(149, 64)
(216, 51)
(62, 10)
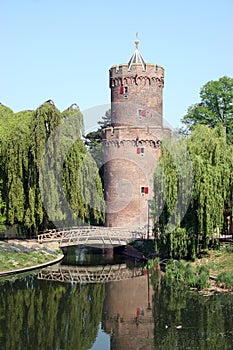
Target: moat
(89, 301)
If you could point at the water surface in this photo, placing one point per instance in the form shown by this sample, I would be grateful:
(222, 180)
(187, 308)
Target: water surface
(109, 304)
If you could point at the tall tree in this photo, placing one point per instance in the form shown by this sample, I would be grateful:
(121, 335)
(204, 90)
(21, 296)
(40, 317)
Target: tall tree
(81, 181)
(172, 194)
(43, 159)
(15, 138)
(215, 107)
(212, 160)
(45, 120)
(2, 210)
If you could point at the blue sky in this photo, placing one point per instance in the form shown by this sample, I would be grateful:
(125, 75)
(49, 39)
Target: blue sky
(62, 49)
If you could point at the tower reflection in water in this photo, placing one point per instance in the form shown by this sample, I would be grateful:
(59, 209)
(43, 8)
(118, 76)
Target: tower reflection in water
(127, 313)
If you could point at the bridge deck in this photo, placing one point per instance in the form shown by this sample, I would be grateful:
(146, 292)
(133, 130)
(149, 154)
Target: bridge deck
(92, 236)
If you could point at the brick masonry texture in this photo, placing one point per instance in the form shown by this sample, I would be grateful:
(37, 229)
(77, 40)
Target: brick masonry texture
(132, 143)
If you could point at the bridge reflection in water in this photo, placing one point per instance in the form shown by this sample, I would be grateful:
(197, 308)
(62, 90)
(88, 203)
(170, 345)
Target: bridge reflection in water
(127, 315)
(89, 274)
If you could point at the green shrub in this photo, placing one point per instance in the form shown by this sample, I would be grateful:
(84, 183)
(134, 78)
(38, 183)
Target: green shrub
(226, 279)
(229, 248)
(196, 277)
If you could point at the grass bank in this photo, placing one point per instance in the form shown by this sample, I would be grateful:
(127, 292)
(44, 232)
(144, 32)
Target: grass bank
(211, 263)
(220, 265)
(16, 255)
(218, 261)
(12, 261)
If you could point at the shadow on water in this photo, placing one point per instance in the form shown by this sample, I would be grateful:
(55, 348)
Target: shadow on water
(102, 302)
(86, 255)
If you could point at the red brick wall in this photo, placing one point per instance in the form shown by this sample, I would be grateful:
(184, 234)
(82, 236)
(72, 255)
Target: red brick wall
(144, 91)
(131, 145)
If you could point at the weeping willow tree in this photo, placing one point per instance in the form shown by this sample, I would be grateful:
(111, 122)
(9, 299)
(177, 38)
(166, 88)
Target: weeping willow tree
(200, 216)
(80, 177)
(212, 161)
(173, 184)
(44, 120)
(15, 139)
(46, 173)
(59, 156)
(2, 210)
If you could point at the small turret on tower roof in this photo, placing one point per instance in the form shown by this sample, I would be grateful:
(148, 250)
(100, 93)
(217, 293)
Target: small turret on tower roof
(137, 57)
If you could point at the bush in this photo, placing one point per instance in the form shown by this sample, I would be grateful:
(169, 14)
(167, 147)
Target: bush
(225, 279)
(196, 277)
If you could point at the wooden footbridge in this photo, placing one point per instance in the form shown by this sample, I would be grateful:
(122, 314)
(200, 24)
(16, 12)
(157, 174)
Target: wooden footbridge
(91, 236)
(89, 274)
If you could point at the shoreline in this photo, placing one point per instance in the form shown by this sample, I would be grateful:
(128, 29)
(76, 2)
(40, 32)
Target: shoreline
(16, 247)
(31, 268)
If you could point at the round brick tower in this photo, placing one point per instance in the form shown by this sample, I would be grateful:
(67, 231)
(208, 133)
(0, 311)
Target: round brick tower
(132, 143)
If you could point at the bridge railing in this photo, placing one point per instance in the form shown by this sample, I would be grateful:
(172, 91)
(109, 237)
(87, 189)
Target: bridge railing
(87, 234)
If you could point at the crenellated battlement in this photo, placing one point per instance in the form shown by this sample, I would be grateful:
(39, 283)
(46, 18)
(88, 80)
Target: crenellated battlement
(150, 69)
(121, 75)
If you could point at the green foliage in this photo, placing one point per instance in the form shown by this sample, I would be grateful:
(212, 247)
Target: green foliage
(42, 155)
(153, 264)
(2, 209)
(14, 131)
(215, 108)
(181, 271)
(225, 279)
(212, 166)
(173, 190)
(82, 185)
(203, 219)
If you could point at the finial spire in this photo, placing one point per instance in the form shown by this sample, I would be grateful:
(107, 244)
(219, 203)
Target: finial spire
(136, 41)
(137, 57)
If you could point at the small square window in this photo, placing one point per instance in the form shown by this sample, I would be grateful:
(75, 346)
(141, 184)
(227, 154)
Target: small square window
(142, 112)
(144, 190)
(140, 150)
